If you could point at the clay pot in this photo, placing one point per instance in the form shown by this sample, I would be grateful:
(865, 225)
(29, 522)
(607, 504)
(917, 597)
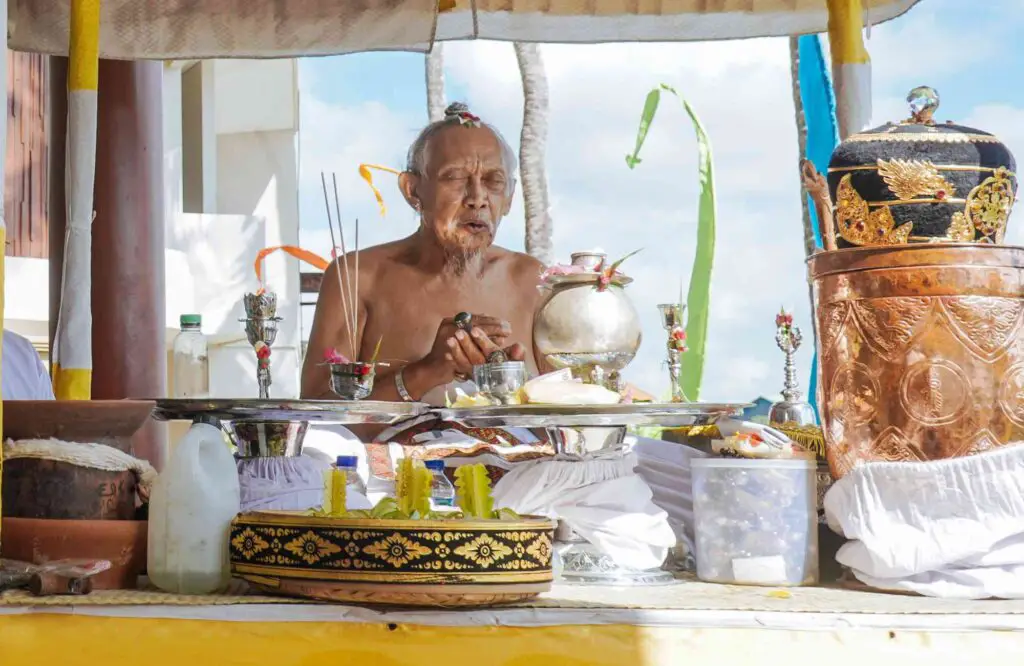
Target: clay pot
(110, 422)
(122, 542)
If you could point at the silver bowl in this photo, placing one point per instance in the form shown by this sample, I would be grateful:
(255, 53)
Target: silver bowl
(351, 381)
(266, 439)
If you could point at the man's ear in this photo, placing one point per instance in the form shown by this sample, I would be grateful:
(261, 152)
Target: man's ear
(508, 199)
(407, 183)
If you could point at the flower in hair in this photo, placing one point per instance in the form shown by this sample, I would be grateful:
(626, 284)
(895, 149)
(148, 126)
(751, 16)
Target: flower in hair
(460, 112)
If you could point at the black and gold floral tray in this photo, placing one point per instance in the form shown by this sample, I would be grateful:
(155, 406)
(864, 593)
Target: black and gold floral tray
(400, 562)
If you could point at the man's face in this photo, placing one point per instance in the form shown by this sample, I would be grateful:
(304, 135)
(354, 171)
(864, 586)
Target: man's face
(464, 191)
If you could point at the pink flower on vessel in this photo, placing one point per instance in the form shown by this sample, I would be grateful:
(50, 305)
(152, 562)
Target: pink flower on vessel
(333, 357)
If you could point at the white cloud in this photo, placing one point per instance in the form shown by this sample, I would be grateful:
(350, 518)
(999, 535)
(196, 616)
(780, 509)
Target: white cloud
(742, 92)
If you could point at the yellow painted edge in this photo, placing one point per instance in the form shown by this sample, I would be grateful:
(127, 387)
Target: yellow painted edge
(84, 62)
(72, 383)
(845, 32)
(73, 640)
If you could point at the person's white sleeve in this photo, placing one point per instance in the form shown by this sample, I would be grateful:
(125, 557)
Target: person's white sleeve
(44, 385)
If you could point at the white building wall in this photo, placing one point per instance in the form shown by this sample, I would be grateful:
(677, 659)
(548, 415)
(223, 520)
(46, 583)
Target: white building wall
(230, 170)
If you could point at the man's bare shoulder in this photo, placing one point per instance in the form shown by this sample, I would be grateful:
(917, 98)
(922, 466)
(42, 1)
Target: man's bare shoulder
(519, 265)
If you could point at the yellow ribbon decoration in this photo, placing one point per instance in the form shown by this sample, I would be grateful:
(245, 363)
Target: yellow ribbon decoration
(364, 171)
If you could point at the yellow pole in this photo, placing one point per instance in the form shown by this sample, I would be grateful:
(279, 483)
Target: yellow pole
(72, 362)
(851, 65)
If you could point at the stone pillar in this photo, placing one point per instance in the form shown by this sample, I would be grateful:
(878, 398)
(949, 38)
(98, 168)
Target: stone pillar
(128, 291)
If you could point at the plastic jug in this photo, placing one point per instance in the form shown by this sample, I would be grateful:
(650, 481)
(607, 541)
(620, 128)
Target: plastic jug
(190, 511)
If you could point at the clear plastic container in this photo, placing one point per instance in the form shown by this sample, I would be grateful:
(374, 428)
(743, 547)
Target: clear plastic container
(442, 492)
(353, 482)
(191, 363)
(191, 508)
(756, 521)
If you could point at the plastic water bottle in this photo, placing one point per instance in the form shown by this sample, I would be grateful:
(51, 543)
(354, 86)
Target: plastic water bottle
(191, 364)
(353, 482)
(442, 492)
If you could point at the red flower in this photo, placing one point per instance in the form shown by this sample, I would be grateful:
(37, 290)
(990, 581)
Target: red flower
(783, 319)
(364, 369)
(332, 356)
(940, 195)
(263, 352)
(678, 334)
(469, 117)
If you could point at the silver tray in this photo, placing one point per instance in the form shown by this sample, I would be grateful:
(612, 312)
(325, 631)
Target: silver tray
(670, 414)
(345, 412)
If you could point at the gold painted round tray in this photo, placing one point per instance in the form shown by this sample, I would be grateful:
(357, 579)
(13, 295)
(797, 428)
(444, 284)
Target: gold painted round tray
(441, 563)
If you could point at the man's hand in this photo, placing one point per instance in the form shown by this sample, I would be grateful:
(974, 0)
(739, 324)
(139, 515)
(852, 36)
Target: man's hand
(455, 352)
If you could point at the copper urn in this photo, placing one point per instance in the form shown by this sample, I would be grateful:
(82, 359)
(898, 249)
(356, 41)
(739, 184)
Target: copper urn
(921, 351)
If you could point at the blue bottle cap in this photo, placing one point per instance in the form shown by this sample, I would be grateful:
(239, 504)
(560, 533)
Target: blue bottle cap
(347, 461)
(435, 465)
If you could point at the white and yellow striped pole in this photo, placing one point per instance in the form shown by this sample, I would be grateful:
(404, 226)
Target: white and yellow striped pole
(72, 362)
(851, 66)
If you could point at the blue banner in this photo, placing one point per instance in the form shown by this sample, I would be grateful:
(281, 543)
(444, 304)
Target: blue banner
(819, 104)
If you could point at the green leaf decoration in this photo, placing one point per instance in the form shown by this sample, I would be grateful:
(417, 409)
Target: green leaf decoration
(473, 491)
(699, 297)
(412, 487)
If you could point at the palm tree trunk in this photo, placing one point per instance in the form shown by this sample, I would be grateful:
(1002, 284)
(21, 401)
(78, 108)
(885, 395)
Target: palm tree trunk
(435, 83)
(532, 149)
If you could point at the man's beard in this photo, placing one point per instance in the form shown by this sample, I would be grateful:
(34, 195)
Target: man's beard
(459, 257)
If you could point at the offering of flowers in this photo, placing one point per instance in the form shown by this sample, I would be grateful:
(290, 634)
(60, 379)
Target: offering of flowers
(351, 380)
(605, 274)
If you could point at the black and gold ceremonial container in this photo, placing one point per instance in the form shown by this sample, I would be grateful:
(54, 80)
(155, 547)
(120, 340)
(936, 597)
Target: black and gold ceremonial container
(919, 181)
(443, 563)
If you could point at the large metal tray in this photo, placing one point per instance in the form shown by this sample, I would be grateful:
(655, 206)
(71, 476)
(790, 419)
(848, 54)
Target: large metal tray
(672, 414)
(345, 412)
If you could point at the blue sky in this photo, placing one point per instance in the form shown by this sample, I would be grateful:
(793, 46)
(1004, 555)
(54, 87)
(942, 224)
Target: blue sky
(369, 107)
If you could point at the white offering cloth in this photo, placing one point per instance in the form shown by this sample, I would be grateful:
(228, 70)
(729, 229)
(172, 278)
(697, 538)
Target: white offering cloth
(281, 484)
(600, 497)
(949, 528)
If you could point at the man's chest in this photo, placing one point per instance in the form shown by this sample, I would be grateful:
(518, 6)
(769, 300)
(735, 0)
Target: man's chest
(407, 318)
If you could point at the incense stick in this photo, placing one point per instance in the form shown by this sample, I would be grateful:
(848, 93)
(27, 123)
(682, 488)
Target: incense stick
(348, 275)
(356, 320)
(341, 286)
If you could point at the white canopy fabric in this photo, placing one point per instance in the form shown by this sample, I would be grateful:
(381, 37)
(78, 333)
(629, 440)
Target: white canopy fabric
(185, 29)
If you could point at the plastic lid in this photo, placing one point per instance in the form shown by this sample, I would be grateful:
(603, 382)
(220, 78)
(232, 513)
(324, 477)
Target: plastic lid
(347, 461)
(435, 465)
(191, 320)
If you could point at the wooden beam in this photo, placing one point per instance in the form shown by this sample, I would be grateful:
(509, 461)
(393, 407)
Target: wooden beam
(309, 283)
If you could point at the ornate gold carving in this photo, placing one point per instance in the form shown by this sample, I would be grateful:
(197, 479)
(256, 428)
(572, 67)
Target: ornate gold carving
(989, 204)
(935, 392)
(1011, 394)
(986, 325)
(853, 394)
(890, 324)
(938, 167)
(860, 225)
(913, 178)
(960, 229)
(893, 446)
(832, 319)
(922, 137)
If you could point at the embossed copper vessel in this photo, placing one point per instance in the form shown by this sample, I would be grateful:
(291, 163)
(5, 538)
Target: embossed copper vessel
(921, 351)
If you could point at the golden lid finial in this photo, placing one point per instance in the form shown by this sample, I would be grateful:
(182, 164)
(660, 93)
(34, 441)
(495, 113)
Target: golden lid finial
(923, 101)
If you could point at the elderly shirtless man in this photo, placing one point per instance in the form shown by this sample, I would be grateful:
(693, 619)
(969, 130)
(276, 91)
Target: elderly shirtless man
(460, 179)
